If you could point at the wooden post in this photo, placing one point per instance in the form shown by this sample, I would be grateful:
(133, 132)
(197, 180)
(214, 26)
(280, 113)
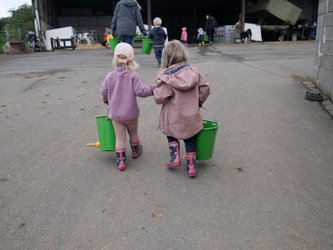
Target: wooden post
(195, 12)
(243, 16)
(149, 14)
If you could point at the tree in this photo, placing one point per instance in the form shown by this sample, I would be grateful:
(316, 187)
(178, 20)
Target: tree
(20, 22)
(3, 22)
(3, 35)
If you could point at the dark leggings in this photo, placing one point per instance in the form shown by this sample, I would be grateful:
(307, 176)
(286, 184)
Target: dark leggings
(158, 54)
(127, 39)
(211, 35)
(189, 143)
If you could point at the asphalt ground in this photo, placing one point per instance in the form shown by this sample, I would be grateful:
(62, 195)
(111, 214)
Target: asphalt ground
(268, 186)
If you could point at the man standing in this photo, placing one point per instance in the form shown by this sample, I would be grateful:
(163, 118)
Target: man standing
(210, 27)
(125, 19)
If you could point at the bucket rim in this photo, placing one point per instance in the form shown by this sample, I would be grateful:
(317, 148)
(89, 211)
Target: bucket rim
(214, 123)
(102, 116)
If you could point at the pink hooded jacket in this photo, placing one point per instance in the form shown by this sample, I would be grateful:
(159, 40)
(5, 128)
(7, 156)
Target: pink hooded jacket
(181, 89)
(183, 36)
(119, 90)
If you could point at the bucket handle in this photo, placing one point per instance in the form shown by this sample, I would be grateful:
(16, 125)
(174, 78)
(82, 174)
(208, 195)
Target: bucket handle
(214, 117)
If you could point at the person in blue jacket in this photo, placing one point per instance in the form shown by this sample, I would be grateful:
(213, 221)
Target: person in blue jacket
(158, 36)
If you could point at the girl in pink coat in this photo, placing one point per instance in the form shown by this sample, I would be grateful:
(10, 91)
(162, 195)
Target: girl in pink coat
(120, 89)
(181, 90)
(183, 36)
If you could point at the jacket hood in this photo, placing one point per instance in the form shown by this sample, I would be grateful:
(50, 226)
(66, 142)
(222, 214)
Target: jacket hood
(181, 76)
(200, 30)
(130, 3)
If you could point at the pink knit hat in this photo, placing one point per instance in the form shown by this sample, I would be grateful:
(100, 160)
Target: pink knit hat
(124, 49)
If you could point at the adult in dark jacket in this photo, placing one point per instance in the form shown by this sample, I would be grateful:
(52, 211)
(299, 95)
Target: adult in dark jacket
(125, 19)
(210, 27)
(158, 36)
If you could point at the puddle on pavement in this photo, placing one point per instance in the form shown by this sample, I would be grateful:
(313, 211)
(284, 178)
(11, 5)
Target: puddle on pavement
(3, 179)
(240, 170)
(35, 84)
(21, 225)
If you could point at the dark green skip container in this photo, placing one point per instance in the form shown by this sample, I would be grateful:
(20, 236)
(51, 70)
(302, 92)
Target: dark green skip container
(205, 140)
(147, 46)
(113, 42)
(106, 134)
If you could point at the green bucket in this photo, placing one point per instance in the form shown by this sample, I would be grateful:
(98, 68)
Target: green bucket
(106, 135)
(206, 139)
(147, 45)
(113, 42)
(206, 38)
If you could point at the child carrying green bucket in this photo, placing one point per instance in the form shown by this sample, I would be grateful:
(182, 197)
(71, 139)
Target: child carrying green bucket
(182, 90)
(119, 90)
(158, 36)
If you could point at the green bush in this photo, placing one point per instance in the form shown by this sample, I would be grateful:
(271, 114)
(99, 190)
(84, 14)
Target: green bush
(2, 42)
(3, 23)
(20, 22)
(17, 25)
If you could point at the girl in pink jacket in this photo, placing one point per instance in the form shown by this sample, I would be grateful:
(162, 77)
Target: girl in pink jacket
(181, 90)
(183, 36)
(120, 89)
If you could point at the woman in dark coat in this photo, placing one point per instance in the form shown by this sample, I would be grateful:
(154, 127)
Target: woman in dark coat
(125, 19)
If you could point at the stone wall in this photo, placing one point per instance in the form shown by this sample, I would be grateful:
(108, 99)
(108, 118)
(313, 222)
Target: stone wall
(324, 54)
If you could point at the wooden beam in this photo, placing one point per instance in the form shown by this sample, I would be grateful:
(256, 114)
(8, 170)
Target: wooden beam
(149, 14)
(243, 16)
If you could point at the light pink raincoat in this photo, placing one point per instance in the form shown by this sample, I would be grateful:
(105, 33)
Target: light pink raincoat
(183, 36)
(180, 89)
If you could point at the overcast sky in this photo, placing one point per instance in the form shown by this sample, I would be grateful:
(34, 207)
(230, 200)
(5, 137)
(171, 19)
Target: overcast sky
(6, 5)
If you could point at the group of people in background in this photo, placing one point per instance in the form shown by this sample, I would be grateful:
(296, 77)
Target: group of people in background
(210, 28)
(127, 17)
(180, 88)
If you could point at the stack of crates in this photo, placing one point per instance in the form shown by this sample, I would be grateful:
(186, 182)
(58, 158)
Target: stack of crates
(218, 36)
(228, 32)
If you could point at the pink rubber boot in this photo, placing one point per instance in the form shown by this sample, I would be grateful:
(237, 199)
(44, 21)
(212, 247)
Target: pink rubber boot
(136, 150)
(174, 155)
(191, 164)
(121, 158)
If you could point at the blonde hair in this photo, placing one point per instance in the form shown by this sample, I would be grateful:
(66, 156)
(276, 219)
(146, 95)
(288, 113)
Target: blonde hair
(129, 65)
(174, 52)
(157, 21)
